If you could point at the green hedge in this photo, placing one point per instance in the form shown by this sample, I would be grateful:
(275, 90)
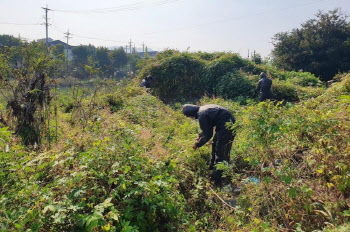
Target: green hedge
(284, 91)
(178, 77)
(189, 76)
(234, 85)
(217, 69)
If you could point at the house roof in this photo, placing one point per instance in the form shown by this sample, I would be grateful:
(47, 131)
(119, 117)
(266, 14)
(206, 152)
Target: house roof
(52, 42)
(56, 42)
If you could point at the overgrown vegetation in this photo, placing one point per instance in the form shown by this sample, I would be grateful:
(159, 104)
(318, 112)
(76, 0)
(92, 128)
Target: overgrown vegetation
(132, 168)
(184, 76)
(25, 86)
(114, 157)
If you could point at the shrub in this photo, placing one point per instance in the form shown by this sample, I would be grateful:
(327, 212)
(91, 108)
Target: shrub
(234, 85)
(311, 141)
(209, 56)
(283, 91)
(178, 77)
(218, 68)
(188, 76)
(303, 78)
(308, 92)
(4, 137)
(115, 102)
(253, 68)
(134, 170)
(67, 81)
(167, 54)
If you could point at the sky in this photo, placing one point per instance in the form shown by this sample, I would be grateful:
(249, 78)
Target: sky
(235, 26)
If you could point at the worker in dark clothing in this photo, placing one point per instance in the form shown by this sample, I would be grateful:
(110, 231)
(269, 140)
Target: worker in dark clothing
(146, 82)
(264, 87)
(210, 116)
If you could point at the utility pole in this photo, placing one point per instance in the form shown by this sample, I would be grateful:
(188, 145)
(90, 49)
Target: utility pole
(46, 25)
(130, 45)
(146, 55)
(68, 37)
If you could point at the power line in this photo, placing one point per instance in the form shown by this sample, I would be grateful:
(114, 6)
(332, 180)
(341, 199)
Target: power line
(230, 19)
(200, 25)
(101, 39)
(128, 7)
(96, 10)
(20, 24)
(93, 38)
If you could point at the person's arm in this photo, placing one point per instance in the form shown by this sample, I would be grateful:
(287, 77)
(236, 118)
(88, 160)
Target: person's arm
(207, 131)
(259, 86)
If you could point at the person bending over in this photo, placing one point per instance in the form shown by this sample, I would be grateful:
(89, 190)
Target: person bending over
(210, 116)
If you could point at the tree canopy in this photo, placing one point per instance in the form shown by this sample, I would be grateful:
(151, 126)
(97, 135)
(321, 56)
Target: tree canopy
(321, 46)
(9, 41)
(119, 58)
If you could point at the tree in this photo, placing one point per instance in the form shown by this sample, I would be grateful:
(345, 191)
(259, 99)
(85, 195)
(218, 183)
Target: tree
(102, 58)
(92, 68)
(81, 56)
(321, 46)
(256, 58)
(25, 84)
(58, 51)
(146, 53)
(132, 61)
(118, 58)
(9, 41)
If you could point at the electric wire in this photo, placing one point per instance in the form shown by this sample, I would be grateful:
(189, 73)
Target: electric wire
(128, 7)
(57, 29)
(20, 24)
(224, 20)
(143, 4)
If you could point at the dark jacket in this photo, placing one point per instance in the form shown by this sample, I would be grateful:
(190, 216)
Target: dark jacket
(209, 116)
(264, 87)
(145, 83)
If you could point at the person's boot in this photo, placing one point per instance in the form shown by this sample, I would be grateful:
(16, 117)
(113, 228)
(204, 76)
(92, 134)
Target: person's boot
(215, 177)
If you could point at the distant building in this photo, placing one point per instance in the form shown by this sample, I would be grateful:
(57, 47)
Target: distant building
(52, 42)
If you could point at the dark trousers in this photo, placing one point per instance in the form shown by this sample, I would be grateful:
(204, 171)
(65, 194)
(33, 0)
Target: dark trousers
(265, 95)
(221, 148)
